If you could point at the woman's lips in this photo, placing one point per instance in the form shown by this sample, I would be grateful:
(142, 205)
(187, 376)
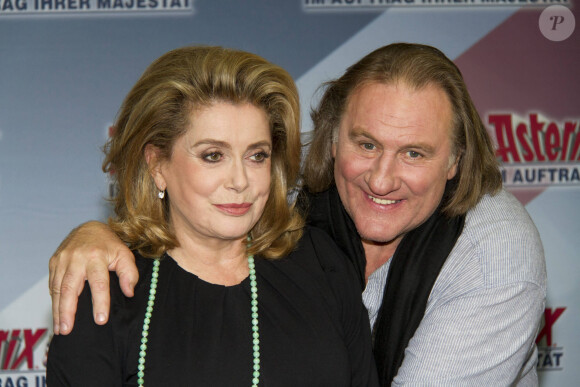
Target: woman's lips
(234, 208)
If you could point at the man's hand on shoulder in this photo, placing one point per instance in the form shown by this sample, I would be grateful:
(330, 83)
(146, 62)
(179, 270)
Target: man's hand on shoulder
(88, 252)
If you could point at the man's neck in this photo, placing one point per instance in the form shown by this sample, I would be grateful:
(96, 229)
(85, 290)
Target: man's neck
(377, 254)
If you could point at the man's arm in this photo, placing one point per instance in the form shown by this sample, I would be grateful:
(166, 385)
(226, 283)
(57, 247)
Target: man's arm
(485, 338)
(88, 252)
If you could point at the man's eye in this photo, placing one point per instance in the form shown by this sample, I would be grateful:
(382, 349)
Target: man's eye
(413, 154)
(212, 157)
(368, 146)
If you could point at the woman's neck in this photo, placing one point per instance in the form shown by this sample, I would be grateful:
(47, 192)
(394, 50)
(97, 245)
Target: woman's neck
(219, 262)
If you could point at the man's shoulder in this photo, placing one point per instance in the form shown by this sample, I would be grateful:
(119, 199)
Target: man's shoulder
(503, 241)
(499, 219)
(502, 206)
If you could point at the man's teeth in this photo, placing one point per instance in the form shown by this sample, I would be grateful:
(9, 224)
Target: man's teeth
(383, 201)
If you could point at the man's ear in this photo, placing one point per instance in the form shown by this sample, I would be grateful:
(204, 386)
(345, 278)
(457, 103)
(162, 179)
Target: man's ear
(153, 159)
(452, 171)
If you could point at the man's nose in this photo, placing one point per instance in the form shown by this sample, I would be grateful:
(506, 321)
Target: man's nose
(383, 176)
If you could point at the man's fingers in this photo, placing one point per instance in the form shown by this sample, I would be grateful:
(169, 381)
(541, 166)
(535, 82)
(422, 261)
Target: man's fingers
(98, 277)
(55, 315)
(127, 272)
(54, 290)
(87, 253)
(70, 288)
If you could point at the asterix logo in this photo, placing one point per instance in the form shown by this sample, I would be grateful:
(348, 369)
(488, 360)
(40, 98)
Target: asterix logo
(537, 151)
(550, 354)
(23, 357)
(17, 347)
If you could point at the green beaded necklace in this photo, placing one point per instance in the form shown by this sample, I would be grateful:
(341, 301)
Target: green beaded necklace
(149, 313)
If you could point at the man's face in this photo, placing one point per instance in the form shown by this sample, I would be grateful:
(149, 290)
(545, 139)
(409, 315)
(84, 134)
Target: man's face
(393, 158)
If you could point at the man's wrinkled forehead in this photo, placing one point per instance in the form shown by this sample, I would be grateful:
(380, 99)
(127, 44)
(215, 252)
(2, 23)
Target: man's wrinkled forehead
(396, 83)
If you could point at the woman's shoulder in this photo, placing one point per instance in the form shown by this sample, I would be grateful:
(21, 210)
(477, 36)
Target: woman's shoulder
(317, 244)
(318, 257)
(145, 269)
(316, 237)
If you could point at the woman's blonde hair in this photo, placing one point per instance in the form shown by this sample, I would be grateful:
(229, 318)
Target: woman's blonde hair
(156, 111)
(416, 66)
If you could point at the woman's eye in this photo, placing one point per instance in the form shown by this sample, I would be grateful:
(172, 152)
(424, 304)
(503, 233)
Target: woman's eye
(260, 156)
(212, 157)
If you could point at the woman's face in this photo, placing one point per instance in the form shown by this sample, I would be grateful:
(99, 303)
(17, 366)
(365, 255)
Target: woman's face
(218, 176)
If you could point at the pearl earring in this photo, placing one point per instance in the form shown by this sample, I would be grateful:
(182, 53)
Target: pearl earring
(161, 194)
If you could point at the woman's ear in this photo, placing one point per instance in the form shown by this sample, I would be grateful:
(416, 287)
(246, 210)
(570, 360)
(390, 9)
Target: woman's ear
(153, 159)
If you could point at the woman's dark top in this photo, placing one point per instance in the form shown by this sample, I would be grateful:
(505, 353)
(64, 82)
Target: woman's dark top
(314, 330)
